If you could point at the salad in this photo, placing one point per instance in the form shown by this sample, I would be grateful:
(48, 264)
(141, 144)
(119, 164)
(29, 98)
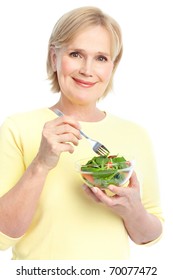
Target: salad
(101, 171)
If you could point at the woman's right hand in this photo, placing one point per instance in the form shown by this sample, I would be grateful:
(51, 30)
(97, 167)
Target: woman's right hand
(59, 135)
(16, 213)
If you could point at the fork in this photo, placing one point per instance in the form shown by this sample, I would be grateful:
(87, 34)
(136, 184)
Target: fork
(97, 147)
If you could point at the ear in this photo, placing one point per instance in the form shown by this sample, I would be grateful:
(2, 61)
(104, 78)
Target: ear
(53, 58)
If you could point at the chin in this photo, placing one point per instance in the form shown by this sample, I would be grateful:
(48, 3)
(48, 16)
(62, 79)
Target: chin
(83, 100)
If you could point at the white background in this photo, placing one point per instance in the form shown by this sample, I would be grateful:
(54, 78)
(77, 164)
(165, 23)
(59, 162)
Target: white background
(142, 85)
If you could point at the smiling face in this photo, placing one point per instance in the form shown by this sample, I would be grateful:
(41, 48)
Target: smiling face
(85, 66)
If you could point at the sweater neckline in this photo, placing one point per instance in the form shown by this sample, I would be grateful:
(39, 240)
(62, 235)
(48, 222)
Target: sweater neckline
(86, 122)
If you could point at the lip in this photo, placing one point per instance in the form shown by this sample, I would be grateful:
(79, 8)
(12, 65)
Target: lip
(83, 83)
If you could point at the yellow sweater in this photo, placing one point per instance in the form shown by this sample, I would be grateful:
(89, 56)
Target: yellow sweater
(67, 224)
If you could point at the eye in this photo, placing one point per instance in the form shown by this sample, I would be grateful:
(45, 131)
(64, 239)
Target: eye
(102, 58)
(75, 54)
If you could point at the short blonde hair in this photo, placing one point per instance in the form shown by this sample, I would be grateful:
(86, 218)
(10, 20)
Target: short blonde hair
(74, 22)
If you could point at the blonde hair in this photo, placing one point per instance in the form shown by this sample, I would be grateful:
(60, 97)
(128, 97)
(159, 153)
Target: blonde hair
(74, 22)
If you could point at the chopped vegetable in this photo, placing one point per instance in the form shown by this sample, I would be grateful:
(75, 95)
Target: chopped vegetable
(102, 171)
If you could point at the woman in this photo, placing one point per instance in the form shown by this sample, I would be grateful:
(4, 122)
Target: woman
(44, 214)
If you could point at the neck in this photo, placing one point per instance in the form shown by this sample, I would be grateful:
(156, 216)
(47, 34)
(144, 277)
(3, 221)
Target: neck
(86, 113)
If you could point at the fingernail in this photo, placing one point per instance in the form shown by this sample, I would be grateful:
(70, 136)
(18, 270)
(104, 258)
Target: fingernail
(84, 187)
(111, 188)
(94, 189)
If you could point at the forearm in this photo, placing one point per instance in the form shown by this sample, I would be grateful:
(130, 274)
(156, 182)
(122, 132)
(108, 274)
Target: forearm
(18, 206)
(143, 227)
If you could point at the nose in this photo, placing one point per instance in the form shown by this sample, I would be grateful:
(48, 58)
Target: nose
(86, 67)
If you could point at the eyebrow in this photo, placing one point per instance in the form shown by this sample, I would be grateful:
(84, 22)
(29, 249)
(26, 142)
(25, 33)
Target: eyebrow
(82, 50)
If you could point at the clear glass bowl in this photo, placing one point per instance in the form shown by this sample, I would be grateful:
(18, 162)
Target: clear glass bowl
(108, 173)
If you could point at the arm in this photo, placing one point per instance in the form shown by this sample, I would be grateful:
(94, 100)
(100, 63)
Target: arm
(18, 205)
(141, 226)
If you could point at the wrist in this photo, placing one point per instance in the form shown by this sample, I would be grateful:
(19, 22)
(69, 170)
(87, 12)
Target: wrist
(137, 215)
(39, 167)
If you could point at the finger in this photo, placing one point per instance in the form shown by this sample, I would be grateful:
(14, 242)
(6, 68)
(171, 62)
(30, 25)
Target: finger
(67, 120)
(62, 120)
(120, 191)
(64, 138)
(66, 128)
(57, 148)
(103, 197)
(90, 193)
(133, 181)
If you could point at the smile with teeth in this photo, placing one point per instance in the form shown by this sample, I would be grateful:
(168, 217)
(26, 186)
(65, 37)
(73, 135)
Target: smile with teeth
(83, 83)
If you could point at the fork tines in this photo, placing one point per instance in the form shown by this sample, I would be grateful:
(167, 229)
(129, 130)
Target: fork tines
(101, 150)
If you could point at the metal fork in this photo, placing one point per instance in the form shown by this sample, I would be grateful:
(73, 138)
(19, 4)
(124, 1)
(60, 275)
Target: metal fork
(97, 147)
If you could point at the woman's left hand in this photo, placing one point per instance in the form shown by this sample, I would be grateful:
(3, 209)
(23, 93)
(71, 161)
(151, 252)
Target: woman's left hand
(125, 201)
(141, 226)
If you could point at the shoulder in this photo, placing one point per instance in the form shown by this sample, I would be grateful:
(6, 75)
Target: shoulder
(37, 113)
(128, 128)
(34, 116)
(26, 122)
(126, 123)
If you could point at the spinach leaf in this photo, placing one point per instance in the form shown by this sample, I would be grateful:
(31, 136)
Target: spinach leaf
(105, 170)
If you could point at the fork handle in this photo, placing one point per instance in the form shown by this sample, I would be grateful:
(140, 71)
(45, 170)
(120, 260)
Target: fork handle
(59, 113)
